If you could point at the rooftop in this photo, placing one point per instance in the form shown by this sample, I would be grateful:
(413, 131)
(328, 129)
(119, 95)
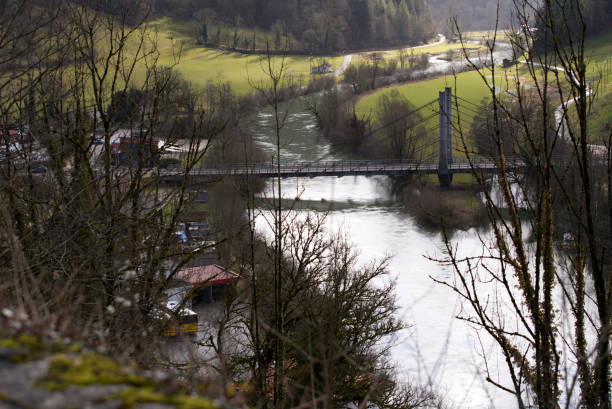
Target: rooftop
(211, 274)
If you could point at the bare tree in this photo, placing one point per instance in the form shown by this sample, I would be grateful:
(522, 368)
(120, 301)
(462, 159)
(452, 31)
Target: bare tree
(403, 56)
(89, 218)
(406, 131)
(550, 240)
(276, 71)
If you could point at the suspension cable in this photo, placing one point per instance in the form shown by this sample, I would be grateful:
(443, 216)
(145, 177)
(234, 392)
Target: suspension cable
(401, 118)
(467, 101)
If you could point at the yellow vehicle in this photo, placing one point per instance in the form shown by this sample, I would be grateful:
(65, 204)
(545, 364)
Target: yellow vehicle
(184, 323)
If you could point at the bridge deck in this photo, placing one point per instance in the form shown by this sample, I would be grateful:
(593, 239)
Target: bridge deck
(339, 168)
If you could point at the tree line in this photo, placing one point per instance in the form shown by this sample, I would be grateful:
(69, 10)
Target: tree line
(314, 26)
(484, 14)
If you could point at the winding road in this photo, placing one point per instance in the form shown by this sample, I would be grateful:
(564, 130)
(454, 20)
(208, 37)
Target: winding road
(560, 112)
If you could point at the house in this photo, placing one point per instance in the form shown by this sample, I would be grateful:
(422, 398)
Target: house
(211, 281)
(127, 149)
(324, 68)
(12, 133)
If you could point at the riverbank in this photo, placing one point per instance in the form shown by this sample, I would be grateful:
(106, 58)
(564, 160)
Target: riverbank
(350, 133)
(367, 210)
(451, 209)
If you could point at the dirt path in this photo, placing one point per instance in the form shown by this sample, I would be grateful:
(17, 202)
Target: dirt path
(344, 66)
(560, 112)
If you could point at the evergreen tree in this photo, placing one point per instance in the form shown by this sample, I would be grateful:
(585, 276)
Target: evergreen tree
(402, 22)
(217, 39)
(362, 21)
(318, 26)
(204, 33)
(277, 35)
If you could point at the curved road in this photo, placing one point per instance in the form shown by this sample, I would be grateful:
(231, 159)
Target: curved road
(561, 117)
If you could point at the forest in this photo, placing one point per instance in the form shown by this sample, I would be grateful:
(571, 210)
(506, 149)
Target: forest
(483, 14)
(471, 14)
(314, 26)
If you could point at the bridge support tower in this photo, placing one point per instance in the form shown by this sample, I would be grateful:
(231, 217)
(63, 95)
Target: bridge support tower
(446, 138)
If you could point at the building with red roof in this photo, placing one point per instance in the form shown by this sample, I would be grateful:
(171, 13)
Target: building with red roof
(212, 274)
(210, 280)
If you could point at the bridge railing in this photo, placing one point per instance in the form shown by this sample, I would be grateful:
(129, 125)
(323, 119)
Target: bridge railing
(305, 167)
(342, 166)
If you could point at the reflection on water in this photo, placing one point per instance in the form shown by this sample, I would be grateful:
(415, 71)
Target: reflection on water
(436, 348)
(438, 64)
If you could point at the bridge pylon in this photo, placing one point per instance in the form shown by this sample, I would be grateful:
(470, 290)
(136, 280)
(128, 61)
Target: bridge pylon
(446, 138)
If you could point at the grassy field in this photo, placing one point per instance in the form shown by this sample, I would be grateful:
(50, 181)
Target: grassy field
(485, 35)
(598, 54)
(200, 65)
(193, 30)
(599, 68)
(427, 49)
(469, 86)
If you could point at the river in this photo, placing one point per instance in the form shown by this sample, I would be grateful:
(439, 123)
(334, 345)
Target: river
(436, 349)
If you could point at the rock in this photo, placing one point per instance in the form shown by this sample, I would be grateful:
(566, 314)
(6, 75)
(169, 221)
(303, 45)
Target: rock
(9, 405)
(38, 374)
(153, 406)
(7, 355)
(16, 382)
(77, 397)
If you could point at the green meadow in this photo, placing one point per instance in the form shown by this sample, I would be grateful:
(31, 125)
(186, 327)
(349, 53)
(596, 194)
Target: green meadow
(200, 64)
(598, 54)
(599, 69)
(469, 86)
(501, 35)
(427, 49)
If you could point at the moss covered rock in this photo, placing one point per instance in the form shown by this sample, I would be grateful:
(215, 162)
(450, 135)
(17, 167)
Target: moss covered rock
(35, 372)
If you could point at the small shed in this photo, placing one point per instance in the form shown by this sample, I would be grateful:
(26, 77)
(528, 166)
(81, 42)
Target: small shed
(211, 279)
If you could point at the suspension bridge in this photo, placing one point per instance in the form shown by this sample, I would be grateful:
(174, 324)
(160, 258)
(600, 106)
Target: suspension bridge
(429, 161)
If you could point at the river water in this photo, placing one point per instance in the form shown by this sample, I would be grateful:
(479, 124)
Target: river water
(437, 349)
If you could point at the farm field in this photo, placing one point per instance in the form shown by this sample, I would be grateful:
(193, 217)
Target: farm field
(200, 65)
(178, 48)
(427, 49)
(501, 35)
(468, 86)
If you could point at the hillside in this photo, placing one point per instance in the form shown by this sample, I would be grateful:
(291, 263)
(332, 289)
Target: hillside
(471, 14)
(482, 14)
(309, 26)
(200, 64)
(599, 68)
